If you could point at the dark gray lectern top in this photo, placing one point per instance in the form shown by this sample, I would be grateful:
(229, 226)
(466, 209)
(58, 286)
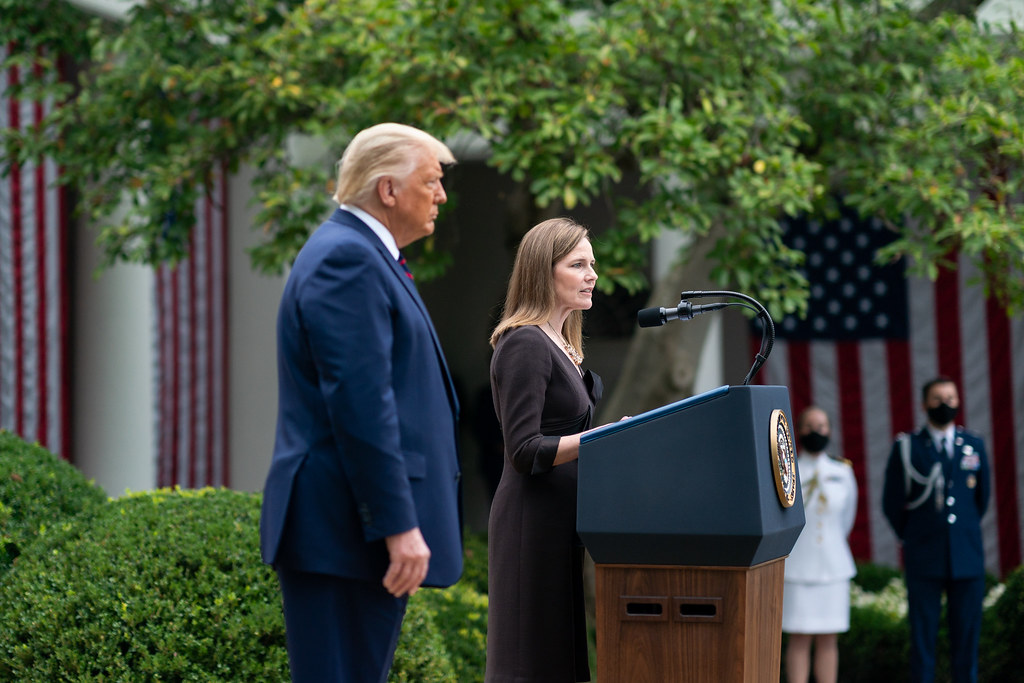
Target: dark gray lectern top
(689, 483)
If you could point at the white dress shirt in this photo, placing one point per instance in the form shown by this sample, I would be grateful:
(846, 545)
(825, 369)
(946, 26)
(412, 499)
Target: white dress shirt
(378, 228)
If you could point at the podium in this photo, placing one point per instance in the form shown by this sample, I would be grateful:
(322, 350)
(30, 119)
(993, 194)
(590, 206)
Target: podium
(689, 511)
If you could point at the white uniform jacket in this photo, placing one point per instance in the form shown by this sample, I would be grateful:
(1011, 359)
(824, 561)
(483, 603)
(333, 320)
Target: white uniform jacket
(822, 552)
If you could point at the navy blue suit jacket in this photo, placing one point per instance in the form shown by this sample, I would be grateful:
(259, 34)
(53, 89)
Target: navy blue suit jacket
(366, 430)
(942, 535)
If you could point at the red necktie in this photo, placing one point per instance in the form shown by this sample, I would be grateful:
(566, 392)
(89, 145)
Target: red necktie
(401, 262)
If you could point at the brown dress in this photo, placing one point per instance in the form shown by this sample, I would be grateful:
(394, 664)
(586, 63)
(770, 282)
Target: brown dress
(536, 624)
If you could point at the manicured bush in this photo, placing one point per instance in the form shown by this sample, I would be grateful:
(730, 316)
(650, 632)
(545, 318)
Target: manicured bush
(422, 654)
(38, 491)
(474, 568)
(459, 615)
(169, 586)
(876, 646)
(873, 578)
(1002, 633)
(164, 586)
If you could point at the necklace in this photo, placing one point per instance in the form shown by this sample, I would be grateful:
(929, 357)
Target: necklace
(574, 355)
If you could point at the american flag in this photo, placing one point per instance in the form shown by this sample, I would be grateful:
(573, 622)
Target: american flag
(34, 400)
(191, 365)
(872, 338)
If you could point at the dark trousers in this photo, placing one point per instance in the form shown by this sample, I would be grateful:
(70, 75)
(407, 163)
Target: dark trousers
(339, 630)
(964, 606)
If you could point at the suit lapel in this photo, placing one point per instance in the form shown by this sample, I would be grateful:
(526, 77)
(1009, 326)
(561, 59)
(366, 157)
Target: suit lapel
(352, 221)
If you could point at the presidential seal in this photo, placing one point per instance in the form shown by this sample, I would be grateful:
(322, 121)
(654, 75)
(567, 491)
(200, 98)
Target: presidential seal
(783, 464)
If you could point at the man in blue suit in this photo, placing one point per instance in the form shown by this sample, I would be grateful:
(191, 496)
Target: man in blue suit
(361, 504)
(936, 492)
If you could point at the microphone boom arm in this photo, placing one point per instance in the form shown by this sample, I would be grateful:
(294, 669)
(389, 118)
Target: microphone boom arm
(767, 328)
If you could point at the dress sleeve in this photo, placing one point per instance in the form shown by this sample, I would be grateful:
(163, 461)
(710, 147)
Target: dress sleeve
(520, 373)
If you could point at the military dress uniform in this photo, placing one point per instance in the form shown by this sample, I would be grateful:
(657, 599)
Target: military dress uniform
(816, 594)
(934, 502)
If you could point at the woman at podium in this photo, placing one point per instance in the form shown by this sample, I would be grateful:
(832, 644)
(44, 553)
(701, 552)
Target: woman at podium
(816, 593)
(544, 400)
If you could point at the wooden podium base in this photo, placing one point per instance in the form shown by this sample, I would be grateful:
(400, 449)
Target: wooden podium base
(672, 624)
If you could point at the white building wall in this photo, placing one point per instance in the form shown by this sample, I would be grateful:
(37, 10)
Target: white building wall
(252, 346)
(112, 371)
(113, 351)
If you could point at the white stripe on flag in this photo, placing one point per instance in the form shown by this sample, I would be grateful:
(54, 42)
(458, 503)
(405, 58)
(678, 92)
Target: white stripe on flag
(55, 311)
(878, 439)
(976, 409)
(201, 340)
(219, 324)
(974, 321)
(30, 295)
(33, 298)
(8, 315)
(191, 374)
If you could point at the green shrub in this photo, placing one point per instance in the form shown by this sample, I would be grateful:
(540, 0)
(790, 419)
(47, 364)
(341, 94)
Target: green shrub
(444, 635)
(877, 645)
(38, 490)
(164, 586)
(1002, 633)
(873, 578)
(422, 656)
(169, 586)
(474, 568)
(459, 616)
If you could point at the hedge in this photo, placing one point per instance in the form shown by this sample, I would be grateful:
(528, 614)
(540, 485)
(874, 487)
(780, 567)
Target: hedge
(165, 586)
(169, 586)
(38, 491)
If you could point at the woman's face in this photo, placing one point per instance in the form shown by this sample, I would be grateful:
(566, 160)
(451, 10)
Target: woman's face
(574, 277)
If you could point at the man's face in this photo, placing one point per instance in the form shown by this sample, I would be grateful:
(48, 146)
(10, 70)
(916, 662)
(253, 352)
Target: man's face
(415, 200)
(944, 392)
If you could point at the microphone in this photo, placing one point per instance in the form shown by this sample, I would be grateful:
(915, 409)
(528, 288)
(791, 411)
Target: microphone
(654, 317)
(657, 316)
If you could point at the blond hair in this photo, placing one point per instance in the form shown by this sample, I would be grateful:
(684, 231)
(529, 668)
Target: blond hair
(387, 149)
(531, 287)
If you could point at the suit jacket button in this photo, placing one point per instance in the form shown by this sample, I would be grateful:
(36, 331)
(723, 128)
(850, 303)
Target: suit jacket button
(364, 513)
(951, 518)
(950, 501)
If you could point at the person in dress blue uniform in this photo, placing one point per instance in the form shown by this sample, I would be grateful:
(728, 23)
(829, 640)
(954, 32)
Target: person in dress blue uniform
(936, 492)
(816, 594)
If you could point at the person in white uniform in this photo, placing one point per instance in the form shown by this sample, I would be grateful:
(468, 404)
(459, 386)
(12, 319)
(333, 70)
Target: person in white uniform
(816, 596)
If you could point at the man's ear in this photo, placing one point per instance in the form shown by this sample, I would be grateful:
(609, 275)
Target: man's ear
(386, 191)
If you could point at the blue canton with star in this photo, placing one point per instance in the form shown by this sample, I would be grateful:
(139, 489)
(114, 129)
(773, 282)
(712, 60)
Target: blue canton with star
(851, 298)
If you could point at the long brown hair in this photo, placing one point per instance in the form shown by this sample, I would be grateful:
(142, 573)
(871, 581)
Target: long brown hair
(531, 287)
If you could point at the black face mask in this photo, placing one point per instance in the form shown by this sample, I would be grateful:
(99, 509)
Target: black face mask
(814, 442)
(942, 414)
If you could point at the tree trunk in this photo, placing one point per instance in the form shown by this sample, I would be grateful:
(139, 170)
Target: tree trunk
(968, 8)
(661, 363)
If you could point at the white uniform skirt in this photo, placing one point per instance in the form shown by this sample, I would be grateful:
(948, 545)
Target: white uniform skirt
(816, 607)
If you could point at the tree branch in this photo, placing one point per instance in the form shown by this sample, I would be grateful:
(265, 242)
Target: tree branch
(967, 8)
